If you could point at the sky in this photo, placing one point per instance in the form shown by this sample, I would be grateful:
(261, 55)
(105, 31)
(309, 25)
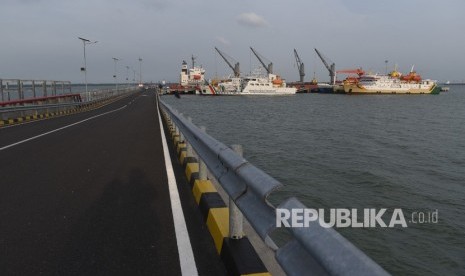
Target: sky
(39, 38)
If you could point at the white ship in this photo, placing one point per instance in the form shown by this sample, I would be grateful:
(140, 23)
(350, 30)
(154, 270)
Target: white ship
(230, 86)
(255, 84)
(393, 83)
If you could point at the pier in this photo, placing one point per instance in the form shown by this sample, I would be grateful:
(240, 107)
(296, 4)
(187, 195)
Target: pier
(87, 194)
(127, 185)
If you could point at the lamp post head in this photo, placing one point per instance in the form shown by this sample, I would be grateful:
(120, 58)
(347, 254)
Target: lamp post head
(86, 41)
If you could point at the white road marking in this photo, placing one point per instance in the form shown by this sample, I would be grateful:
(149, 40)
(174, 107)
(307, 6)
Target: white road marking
(61, 128)
(186, 256)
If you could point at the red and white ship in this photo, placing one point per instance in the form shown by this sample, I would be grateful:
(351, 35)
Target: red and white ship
(193, 79)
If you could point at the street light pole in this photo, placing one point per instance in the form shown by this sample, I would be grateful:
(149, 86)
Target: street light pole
(127, 77)
(140, 71)
(84, 42)
(134, 79)
(114, 76)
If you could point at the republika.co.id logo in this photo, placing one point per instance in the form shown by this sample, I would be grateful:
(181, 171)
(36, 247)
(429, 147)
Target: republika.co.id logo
(341, 217)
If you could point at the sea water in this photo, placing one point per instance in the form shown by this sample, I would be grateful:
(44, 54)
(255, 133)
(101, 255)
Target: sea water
(359, 151)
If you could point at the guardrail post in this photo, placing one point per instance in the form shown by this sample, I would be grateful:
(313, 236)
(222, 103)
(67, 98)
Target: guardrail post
(235, 216)
(202, 165)
(8, 92)
(178, 132)
(1, 90)
(20, 84)
(189, 152)
(176, 129)
(33, 88)
(44, 88)
(54, 88)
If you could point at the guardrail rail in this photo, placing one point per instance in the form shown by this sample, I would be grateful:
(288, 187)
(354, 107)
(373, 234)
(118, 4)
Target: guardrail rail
(20, 110)
(310, 250)
(16, 89)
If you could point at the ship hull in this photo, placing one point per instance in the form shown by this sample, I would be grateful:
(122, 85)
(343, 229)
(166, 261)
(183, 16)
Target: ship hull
(270, 92)
(325, 89)
(206, 90)
(357, 89)
(257, 93)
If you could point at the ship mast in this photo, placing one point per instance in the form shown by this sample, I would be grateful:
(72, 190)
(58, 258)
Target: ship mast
(193, 61)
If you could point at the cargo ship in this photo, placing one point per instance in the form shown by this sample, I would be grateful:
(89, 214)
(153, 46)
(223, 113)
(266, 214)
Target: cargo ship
(305, 87)
(192, 80)
(315, 87)
(392, 83)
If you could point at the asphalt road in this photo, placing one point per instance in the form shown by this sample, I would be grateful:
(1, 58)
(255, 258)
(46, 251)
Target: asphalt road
(92, 198)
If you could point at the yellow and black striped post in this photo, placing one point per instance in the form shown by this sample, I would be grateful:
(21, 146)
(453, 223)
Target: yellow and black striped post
(237, 254)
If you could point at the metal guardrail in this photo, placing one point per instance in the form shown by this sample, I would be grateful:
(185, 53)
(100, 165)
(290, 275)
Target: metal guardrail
(311, 250)
(37, 107)
(101, 94)
(23, 89)
(27, 107)
(43, 100)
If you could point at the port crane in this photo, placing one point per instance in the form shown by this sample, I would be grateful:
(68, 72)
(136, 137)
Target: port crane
(269, 68)
(235, 68)
(331, 68)
(300, 66)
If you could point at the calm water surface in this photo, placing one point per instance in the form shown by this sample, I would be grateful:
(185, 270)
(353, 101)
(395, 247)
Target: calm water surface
(341, 151)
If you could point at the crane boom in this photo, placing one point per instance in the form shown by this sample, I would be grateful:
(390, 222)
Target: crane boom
(331, 68)
(269, 68)
(235, 68)
(300, 66)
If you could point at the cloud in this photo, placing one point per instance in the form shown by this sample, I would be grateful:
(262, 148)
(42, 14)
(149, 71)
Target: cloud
(223, 40)
(251, 19)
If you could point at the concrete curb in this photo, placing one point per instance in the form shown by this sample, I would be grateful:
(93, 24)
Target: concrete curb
(238, 255)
